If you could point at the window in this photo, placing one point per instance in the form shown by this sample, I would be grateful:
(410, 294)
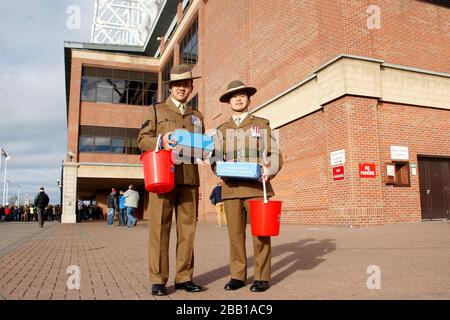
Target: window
(104, 90)
(397, 174)
(102, 144)
(118, 145)
(120, 91)
(194, 102)
(88, 88)
(166, 77)
(108, 140)
(189, 45)
(86, 144)
(131, 141)
(118, 86)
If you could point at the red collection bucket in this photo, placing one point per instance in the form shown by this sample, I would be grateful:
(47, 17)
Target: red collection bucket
(159, 171)
(265, 217)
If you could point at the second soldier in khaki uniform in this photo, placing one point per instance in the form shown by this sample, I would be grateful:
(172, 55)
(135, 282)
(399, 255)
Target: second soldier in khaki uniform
(251, 141)
(164, 119)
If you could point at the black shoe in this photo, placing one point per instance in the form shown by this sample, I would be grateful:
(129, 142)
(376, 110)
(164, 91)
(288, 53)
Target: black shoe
(159, 290)
(234, 284)
(259, 286)
(189, 286)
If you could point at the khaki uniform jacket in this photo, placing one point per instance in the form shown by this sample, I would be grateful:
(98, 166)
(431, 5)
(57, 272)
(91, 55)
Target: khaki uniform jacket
(169, 119)
(248, 148)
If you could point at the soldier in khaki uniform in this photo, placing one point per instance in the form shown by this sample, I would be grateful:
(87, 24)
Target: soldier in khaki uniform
(253, 142)
(164, 119)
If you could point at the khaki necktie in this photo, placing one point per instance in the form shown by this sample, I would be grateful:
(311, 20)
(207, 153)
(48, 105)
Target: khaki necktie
(182, 108)
(238, 121)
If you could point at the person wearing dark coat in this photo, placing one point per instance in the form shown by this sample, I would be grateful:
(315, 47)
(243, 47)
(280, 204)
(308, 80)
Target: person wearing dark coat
(41, 201)
(113, 206)
(216, 200)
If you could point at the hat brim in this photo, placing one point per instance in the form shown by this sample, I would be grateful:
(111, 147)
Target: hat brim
(227, 95)
(170, 81)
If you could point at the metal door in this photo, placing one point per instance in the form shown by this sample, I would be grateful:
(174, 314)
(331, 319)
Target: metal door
(434, 178)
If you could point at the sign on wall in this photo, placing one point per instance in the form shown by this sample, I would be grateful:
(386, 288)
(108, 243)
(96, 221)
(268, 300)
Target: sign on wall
(338, 173)
(399, 153)
(337, 157)
(367, 170)
(390, 170)
(413, 167)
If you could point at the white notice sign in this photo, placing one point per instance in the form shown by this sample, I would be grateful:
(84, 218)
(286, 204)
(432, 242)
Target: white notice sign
(337, 157)
(399, 153)
(390, 171)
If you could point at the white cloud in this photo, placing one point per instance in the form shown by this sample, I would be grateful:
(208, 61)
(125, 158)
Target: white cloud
(32, 90)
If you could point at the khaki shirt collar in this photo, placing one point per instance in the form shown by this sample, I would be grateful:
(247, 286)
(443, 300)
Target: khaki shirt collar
(241, 117)
(177, 104)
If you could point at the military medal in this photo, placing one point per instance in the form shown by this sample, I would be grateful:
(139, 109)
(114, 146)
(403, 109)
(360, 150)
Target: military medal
(196, 121)
(256, 132)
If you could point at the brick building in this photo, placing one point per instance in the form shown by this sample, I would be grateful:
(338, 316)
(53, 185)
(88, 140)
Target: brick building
(359, 91)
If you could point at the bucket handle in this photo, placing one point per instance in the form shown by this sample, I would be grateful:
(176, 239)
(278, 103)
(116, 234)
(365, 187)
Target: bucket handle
(158, 141)
(265, 192)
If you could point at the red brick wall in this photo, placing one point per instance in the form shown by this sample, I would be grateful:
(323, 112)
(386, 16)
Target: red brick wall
(73, 112)
(302, 183)
(112, 115)
(351, 124)
(305, 183)
(109, 158)
(275, 47)
(101, 114)
(425, 131)
(413, 33)
(366, 129)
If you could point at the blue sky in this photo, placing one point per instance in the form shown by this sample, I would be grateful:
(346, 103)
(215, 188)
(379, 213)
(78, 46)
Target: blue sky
(32, 90)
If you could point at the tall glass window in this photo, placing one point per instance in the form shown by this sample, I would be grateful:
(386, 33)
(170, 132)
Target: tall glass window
(119, 86)
(108, 140)
(189, 45)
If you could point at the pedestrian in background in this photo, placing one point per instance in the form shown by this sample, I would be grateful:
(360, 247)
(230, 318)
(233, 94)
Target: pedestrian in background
(216, 200)
(131, 203)
(122, 210)
(41, 201)
(113, 206)
(26, 213)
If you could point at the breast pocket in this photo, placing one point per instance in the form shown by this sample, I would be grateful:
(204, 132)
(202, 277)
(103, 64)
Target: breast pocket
(167, 125)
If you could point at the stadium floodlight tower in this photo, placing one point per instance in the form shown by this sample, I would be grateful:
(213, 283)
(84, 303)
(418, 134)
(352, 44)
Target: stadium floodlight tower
(124, 22)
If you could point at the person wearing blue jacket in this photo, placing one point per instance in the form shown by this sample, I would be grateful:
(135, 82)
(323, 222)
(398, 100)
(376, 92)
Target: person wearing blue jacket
(122, 210)
(216, 200)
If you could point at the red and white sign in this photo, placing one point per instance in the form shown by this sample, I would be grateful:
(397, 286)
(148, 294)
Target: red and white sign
(338, 173)
(367, 170)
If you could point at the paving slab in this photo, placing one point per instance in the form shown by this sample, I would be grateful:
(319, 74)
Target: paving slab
(399, 261)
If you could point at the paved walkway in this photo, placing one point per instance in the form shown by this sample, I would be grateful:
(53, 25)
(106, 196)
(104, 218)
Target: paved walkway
(307, 262)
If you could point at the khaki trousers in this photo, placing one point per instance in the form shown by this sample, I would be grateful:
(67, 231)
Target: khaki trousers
(221, 218)
(184, 199)
(237, 211)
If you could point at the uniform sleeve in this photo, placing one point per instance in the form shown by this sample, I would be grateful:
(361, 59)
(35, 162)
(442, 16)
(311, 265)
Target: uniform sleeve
(147, 135)
(273, 156)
